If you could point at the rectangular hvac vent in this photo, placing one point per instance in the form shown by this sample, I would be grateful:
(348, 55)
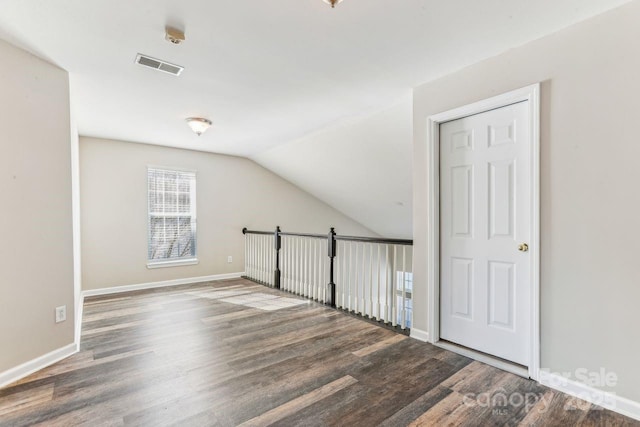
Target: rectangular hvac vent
(158, 64)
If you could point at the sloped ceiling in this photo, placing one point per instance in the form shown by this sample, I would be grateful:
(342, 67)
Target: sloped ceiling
(289, 83)
(265, 72)
(362, 168)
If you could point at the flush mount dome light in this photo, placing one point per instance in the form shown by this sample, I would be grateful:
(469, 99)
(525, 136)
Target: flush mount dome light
(198, 124)
(333, 3)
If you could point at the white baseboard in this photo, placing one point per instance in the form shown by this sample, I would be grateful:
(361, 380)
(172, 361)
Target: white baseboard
(151, 285)
(419, 334)
(598, 397)
(14, 374)
(28, 368)
(577, 389)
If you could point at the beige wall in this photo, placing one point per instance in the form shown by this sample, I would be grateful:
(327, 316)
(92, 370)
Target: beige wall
(590, 202)
(36, 254)
(232, 193)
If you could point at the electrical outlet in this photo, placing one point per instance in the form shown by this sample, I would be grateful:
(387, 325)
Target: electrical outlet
(229, 259)
(61, 313)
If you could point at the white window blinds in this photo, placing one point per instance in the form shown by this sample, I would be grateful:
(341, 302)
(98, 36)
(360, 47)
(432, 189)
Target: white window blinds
(172, 215)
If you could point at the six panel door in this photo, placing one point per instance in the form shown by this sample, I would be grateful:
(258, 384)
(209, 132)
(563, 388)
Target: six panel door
(485, 203)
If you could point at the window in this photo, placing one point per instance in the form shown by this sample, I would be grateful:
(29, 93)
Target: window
(172, 217)
(405, 277)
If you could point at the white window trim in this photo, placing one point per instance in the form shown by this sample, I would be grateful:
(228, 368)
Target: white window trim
(172, 168)
(172, 263)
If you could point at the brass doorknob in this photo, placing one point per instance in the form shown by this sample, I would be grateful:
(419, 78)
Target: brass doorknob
(523, 247)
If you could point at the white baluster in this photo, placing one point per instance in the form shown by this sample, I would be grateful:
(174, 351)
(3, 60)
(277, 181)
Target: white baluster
(387, 286)
(248, 259)
(314, 277)
(362, 290)
(394, 306)
(354, 266)
(325, 274)
(298, 266)
(347, 275)
(310, 292)
(265, 258)
(259, 260)
(345, 282)
(247, 268)
(296, 255)
(404, 287)
(305, 279)
(265, 261)
(378, 288)
(284, 264)
(317, 262)
(272, 261)
(290, 262)
(370, 309)
(325, 270)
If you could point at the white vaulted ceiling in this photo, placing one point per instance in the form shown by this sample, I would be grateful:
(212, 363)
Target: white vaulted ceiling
(266, 72)
(283, 81)
(362, 168)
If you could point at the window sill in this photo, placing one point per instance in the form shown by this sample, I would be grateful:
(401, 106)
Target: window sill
(172, 263)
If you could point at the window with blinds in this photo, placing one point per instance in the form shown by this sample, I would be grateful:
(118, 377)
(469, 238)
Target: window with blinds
(172, 216)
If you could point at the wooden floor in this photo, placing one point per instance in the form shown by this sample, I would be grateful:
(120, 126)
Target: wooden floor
(233, 353)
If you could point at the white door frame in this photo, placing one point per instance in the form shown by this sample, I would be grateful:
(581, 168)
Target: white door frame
(531, 94)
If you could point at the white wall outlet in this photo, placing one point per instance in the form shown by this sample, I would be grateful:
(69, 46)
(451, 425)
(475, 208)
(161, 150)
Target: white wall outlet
(229, 259)
(61, 313)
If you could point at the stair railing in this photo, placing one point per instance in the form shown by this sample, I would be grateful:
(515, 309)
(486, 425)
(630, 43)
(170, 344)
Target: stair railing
(371, 277)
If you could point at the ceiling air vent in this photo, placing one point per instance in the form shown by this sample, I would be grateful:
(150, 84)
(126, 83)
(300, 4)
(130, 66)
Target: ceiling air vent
(158, 64)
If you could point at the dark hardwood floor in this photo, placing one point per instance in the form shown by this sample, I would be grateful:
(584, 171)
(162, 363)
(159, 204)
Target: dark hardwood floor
(234, 353)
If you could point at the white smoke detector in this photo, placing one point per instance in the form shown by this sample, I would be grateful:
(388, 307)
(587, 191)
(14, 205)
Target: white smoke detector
(174, 35)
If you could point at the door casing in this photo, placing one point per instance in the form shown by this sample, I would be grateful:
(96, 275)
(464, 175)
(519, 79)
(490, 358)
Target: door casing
(530, 94)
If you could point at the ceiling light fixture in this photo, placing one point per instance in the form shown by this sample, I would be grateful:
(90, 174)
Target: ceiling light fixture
(198, 124)
(333, 3)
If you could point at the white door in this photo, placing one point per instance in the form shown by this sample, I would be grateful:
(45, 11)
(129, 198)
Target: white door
(485, 214)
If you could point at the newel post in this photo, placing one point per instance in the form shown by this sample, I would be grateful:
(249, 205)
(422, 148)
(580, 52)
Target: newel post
(332, 254)
(278, 245)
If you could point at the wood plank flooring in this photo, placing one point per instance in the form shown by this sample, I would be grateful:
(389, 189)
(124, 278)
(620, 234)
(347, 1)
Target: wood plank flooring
(234, 353)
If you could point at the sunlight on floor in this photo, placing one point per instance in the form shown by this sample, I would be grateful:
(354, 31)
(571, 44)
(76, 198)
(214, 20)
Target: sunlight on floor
(264, 301)
(257, 300)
